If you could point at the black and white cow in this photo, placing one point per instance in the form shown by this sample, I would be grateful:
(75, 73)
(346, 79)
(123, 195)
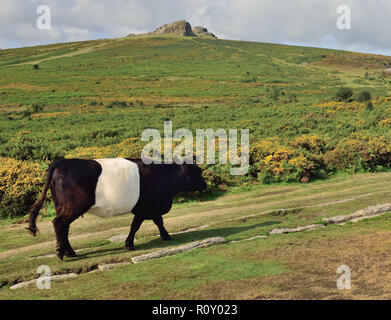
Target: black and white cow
(111, 187)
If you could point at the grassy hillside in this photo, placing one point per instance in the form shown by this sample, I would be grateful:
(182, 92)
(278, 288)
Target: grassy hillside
(298, 265)
(93, 99)
(99, 93)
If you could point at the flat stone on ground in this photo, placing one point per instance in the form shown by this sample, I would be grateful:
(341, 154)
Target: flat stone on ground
(52, 278)
(119, 238)
(361, 214)
(171, 251)
(248, 239)
(111, 266)
(297, 229)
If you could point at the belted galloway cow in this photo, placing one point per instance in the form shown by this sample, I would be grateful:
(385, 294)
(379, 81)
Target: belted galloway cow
(111, 187)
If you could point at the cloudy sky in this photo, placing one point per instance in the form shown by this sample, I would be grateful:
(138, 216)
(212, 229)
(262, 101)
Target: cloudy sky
(301, 22)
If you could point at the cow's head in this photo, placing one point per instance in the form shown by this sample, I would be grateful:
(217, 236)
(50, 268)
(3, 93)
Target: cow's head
(191, 175)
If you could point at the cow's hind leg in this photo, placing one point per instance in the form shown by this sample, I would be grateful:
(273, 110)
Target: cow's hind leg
(163, 232)
(61, 226)
(136, 223)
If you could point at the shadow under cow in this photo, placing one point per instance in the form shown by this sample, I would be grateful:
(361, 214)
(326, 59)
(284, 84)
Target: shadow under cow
(178, 239)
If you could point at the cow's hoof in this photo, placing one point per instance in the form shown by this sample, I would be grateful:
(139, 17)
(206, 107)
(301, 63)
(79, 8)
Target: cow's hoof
(60, 253)
(166, 237)
(129, 247)
(70, 254)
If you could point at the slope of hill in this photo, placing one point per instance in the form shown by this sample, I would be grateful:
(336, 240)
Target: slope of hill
(93, 99)
(86, 98)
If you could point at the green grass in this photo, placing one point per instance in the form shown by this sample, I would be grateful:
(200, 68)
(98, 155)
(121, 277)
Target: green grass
(188, 274)
(197, 79)
(96, 94)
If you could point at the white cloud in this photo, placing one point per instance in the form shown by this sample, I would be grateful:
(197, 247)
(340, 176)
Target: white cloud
(306, 22)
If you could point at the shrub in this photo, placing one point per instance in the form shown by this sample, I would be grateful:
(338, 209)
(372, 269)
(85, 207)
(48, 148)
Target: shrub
(363, 96)
(370, 153)
(117, 103)
(26, 148)
(273, 162)
(311, 143)
(344, 94)
(21, 182)
(35, 66)
(25, 113)
(35, 108)
(261, 149)
(214, 178)
(292, 98)
(129, 148)
(275, 94)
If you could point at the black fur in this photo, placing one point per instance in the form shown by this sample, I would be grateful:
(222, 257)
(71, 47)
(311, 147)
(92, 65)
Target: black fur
(73, 183)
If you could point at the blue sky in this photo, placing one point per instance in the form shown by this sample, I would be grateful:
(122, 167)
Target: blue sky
(300, 22)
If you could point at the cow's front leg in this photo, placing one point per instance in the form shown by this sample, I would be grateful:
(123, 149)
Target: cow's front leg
(136, 223)
(163, 232)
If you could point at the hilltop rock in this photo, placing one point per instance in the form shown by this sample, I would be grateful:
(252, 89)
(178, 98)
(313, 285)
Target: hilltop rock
(202, 32)
(180, 28)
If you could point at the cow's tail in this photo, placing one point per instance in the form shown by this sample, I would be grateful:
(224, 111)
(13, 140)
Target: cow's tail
(34, 210)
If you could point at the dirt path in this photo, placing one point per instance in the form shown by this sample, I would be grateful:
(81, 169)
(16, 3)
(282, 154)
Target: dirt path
(46, 244)
(169, 221)
(230, 207)
(366, 213)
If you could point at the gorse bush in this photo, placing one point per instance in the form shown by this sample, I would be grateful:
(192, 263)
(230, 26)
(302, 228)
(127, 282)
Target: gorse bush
(369, 153)
(26, 148)
(274, 162)
(129, 148)
(385, 122)
(21, 182)
(311, 143)
(271, 160)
